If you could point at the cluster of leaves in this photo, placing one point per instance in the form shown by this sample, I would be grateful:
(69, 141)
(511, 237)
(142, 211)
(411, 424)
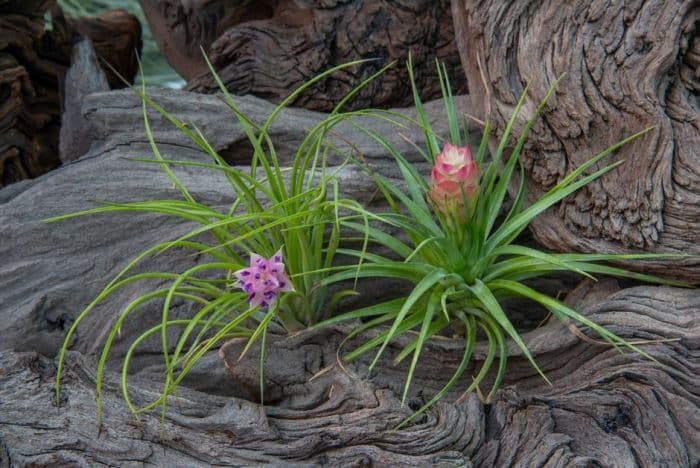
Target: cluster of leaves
(461, 267)
(296, 208)
(464, 265)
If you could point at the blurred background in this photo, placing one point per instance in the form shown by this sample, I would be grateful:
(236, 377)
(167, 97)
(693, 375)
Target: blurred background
(156, 70)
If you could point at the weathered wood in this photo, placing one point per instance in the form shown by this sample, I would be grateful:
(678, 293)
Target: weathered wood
(30, 64)
(116, 36)
(604, 408)
(33, 62)
(270, 48)
(84, 76)
(628, 66)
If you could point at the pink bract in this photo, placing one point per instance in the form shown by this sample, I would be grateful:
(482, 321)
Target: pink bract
(454, 180)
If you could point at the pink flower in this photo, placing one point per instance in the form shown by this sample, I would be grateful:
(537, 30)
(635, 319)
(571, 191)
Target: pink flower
(454, 180)
(263, 280)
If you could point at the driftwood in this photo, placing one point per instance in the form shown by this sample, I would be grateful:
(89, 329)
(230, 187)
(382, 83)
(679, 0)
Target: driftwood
(604, 407)
(83, 77)
(628, 66)
(270, 48)
(116, 36)
(33, 62)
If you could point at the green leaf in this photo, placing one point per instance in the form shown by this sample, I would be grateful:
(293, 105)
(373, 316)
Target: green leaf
(521, 268)
(561, 311)
(489, 176)
(381, 237)
(430, 310)
(421, 288)
(114, 331)
(491, 305)
(431, 140)
(468, 349)
(528, 252)
(258, 331)
(495, 199)
(409, 271)
(448, 100)
(507, 232)
(436, 327)
(557, 193)
(386, 307)
(483, 146)
(408, 323)
(156, 152)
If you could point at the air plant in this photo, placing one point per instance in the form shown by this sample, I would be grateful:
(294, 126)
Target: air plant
(459, 249)
(276, 211)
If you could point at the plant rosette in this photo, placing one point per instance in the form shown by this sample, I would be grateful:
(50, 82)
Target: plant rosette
(457, 247)
(263, 258)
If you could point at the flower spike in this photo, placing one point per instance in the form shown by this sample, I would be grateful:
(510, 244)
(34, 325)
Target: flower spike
(454, 180)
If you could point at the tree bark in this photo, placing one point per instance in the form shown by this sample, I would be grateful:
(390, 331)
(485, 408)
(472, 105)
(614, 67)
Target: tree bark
(33, 62)
(269, 48)
(626, 66)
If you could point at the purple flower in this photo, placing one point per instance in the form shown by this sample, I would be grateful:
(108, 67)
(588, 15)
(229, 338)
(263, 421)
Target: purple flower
(263, 280)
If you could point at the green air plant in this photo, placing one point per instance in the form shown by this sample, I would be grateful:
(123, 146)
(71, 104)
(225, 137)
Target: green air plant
(289, 215)
(460, 256)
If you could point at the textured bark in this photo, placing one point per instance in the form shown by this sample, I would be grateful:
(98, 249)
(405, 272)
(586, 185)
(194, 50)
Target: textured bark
(628, 66)
(30, 65)
(33, 62)
(116, 36)
(269, 48)
(604, 408)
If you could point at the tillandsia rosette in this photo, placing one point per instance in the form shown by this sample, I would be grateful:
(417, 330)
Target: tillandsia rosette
(296, 208)
(455, 242)
(455, 245)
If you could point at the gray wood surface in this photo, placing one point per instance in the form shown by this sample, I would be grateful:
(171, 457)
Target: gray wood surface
(604, 408)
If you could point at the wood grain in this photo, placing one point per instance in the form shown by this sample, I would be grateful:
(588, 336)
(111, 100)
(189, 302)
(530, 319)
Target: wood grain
(626, 66)
(33, 63)
(269, 48)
